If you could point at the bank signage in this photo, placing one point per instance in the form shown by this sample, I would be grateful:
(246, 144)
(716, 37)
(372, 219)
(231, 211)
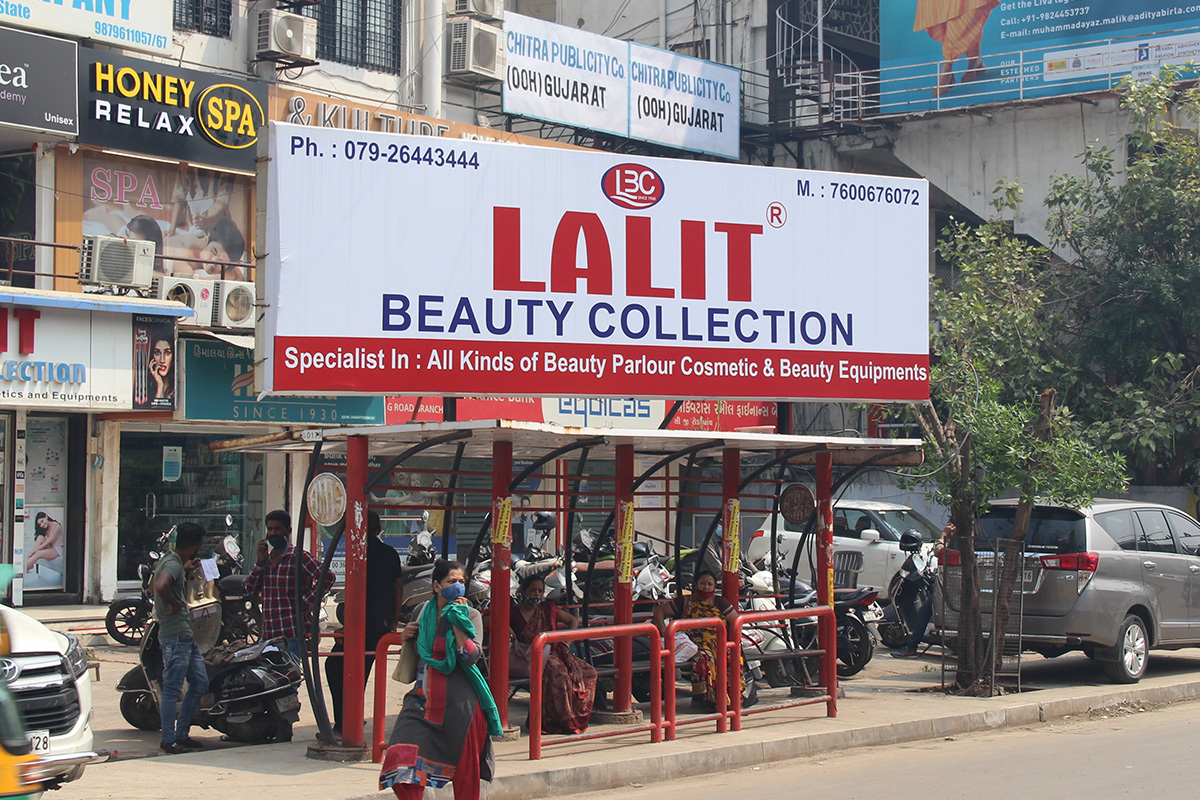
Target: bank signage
(136, 24)
(65, 359)
(538, 272)
(219, 386)
(572, 77)
(37, 82)
(155, 109)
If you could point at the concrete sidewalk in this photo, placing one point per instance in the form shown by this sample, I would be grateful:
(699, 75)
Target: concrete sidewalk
(892, 701)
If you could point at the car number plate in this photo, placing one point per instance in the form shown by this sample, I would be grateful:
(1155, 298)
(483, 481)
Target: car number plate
(288, 703)
(39, 741)
(987, 577)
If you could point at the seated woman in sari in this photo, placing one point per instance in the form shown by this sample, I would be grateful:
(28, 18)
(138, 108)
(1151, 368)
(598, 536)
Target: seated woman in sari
(703, 603)
(442, 733)
(568, 683)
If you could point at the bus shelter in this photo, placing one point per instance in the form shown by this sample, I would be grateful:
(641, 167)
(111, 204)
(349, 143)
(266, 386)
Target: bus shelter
(513, 452)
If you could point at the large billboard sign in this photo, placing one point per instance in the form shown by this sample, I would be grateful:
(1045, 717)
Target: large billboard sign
(572, 77)
(420, 266)
(946, 55)
(137, 24)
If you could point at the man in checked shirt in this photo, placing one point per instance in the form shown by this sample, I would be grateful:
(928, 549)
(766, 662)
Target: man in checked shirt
(274, 579)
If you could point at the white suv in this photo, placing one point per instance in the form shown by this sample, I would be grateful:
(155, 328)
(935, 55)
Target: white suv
(46, 672)
(866, 543)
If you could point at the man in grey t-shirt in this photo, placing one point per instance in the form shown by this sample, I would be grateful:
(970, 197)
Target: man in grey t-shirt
(181, 657)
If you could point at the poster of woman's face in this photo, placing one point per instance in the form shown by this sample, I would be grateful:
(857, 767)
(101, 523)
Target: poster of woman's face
(45, 548)
(154, 363)
(186, 211)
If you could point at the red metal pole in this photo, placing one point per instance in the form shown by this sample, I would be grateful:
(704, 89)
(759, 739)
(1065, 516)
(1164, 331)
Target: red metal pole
(826, 627)
(382, 677)
(502, 465)
(623, 588)
(731, 464)
(356, 592)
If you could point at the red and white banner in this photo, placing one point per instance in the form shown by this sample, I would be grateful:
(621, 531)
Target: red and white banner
(411, 265)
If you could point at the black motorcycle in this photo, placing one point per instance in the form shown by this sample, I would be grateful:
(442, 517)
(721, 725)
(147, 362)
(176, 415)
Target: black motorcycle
(251, 697)
(909, 592)
(127, 617)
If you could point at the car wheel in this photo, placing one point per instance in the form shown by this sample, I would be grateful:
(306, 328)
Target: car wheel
(1132, 651)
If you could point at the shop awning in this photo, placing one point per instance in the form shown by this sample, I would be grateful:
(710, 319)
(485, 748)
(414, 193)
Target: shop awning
(112, 303)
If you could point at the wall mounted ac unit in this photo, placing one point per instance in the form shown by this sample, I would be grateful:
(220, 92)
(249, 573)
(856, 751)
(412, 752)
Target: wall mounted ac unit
(233, 306)
(195, 293)
(113, 261)
(284, 37)
(481, 9)
(475, 50)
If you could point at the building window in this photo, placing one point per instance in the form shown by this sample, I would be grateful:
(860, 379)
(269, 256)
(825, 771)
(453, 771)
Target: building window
(204, 16)
(361, 33)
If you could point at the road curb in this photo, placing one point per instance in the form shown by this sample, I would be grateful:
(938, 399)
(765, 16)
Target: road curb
(674, 760)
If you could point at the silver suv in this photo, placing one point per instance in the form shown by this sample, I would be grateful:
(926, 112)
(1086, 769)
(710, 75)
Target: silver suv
(1114, 579)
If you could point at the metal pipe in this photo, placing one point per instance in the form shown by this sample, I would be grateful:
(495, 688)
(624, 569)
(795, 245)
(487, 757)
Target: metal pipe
(502, 463)
(356, 592)
(433, 33)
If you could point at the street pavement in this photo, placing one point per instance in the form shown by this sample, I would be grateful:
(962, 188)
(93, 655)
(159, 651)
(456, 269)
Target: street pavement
(890, 702)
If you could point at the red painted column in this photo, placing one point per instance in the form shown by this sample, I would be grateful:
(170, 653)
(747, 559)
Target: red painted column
(828, 631)
(502, 465)
(356, 591)
(731, 547)
(623, 595)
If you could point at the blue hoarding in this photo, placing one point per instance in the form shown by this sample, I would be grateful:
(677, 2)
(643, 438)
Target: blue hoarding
(955, 53)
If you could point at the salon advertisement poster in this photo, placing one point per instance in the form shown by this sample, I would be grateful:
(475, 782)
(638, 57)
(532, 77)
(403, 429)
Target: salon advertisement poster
(45, 503)
(154, 363)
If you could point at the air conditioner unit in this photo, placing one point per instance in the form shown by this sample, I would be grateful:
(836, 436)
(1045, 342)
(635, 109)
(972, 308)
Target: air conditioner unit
(475, 50)
(195, 293)
(283, 36)
(481, 9)
(114, 261)
(233, 306)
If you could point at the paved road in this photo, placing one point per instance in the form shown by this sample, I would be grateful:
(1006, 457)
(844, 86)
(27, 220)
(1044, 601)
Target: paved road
(1132, 754)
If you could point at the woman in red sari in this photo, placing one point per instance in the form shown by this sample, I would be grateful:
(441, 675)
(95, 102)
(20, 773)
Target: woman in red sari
(568, 683)
(441, 735)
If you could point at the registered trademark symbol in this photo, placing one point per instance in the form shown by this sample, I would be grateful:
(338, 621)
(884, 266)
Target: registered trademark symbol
(776, 215)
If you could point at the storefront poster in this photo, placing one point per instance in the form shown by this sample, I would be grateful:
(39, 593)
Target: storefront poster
(218, 385)
(45, 503)
(1025, 48)
(154, 363)
(186, 211)
(37, 82)
(18, 217)
(156, 109)
(586, 274)
(138, 24)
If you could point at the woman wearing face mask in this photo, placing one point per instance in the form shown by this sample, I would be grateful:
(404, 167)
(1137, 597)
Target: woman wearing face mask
(441, 735)
(703, 603)
(568, 683)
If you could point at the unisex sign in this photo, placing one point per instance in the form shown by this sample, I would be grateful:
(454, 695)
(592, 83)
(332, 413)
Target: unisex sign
(137, 24)
(37, 82)
(159, 110)
(573, 77)
(527, 271)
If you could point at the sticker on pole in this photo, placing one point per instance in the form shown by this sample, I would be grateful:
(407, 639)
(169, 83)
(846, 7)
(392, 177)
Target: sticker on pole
(502, 521)
(732, 552)
(624, 543)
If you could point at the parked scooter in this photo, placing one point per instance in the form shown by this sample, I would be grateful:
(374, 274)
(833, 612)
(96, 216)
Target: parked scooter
(252, 690)
(918, 574)
(240, 612)
(128, 617)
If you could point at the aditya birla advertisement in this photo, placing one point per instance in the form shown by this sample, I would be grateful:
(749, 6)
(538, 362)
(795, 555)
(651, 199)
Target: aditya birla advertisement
(527, 272)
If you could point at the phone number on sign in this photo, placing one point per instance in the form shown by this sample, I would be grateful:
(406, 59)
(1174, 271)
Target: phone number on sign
(874, 194)
(403, 154)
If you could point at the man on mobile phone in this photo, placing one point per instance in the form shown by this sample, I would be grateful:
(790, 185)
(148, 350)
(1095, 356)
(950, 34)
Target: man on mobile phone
(180, 654)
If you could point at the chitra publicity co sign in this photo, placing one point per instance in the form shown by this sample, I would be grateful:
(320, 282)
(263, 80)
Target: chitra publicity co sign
(528, 271)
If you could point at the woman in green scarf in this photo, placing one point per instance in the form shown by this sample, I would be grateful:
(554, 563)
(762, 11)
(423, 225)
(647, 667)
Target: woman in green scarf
(442, 733)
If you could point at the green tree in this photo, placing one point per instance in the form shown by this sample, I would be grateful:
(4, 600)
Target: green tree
(992, 422)
(1129, 335)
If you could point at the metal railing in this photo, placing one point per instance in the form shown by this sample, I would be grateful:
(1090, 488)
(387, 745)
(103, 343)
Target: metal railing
(537, 659)
(813, 72)
(721, 679)
(379, 712)
(826, 635)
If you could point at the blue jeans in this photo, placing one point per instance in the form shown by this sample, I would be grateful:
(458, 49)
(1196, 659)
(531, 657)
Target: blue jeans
(181, 659)
(921, 622)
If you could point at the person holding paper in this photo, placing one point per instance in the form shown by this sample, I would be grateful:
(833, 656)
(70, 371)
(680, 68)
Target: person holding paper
(180, 654)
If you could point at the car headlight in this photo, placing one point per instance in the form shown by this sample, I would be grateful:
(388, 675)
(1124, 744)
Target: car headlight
(76, 659)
